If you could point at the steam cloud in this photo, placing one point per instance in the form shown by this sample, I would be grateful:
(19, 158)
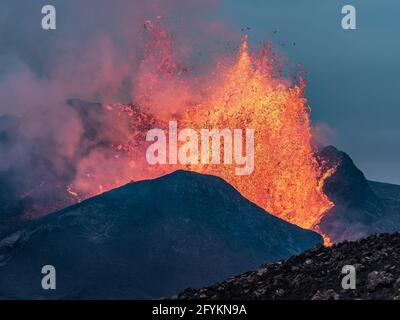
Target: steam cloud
(95, 55)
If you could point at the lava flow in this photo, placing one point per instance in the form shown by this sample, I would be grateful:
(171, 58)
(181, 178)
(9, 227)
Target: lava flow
(246, 92)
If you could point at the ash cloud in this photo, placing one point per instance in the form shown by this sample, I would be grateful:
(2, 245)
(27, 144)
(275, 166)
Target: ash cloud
(94, 54)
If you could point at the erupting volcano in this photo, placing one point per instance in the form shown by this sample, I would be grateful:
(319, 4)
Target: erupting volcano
(247, 91)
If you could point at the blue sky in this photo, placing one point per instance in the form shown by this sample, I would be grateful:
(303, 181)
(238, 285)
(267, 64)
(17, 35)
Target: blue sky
(353, 75)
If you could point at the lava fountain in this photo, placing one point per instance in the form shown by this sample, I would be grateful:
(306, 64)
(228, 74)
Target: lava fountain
(244, 92)
(286, 180)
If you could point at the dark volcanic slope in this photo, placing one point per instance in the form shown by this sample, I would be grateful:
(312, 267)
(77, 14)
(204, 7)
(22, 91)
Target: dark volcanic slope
(316, 274)
(146, 240)
(361, 207)
(390, 196)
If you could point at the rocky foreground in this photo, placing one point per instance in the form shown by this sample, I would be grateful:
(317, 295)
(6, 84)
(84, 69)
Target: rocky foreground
(317, 274)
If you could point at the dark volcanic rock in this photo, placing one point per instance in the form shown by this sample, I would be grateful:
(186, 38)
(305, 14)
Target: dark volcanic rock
(347, 185)
(146, 240)
(316, 274)
(361, 207)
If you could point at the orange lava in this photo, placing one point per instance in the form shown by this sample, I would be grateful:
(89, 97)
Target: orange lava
(286, 181)
(245, 93)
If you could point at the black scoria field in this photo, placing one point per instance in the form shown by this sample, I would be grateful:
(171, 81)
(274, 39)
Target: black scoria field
(317, 274)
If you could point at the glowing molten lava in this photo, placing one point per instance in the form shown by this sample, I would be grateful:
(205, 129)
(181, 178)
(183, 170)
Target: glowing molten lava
(240, 94)
(286, 180)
